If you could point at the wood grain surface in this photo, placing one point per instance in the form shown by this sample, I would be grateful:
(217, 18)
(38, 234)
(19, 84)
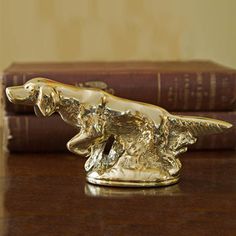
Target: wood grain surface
(47, 194)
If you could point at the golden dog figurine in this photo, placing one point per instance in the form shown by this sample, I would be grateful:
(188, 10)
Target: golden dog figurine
(128, 143)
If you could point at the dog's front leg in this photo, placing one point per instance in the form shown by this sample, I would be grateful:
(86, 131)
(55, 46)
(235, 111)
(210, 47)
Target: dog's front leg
(81, 143)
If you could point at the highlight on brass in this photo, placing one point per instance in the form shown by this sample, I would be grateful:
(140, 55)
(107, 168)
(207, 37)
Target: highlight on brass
(127, 143)
(92, 190)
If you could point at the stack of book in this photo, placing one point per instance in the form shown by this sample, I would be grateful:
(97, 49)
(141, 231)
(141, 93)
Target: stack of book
(199, 88)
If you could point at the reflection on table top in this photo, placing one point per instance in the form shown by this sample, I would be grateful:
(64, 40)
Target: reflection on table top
(46, 194)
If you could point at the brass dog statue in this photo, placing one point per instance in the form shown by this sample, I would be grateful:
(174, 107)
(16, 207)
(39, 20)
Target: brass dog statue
(128, 143)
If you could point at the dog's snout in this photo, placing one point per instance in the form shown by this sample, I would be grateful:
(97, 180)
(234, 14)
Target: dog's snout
(9, 94)
(18, 94)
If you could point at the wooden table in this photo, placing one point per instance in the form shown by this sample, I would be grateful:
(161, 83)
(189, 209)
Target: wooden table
(46, 194)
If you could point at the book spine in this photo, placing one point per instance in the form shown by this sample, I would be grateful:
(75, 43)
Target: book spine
(172, 91)
(32, 134)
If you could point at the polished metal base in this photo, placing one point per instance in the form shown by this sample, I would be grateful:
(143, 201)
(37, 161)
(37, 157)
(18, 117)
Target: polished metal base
(119, 183)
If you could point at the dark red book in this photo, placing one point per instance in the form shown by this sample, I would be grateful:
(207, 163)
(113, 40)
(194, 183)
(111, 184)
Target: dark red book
(175, 86)
(32, 134)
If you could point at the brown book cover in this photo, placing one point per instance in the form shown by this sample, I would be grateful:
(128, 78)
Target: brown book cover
(33, 134)
(28, 133)
(175, 86)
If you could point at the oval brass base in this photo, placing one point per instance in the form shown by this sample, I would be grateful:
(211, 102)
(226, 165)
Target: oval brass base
(118, 183)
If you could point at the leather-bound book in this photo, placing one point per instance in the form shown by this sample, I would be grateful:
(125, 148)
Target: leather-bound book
(33, 134)
(175, 86)
(28, 133)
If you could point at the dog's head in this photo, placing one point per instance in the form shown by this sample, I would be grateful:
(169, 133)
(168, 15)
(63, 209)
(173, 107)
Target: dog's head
(38, 92)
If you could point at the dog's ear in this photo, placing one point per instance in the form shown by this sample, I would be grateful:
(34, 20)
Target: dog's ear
(47, 101)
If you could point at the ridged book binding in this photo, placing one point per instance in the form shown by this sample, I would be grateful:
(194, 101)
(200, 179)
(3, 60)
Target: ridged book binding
(175, 86)
(29, 133)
